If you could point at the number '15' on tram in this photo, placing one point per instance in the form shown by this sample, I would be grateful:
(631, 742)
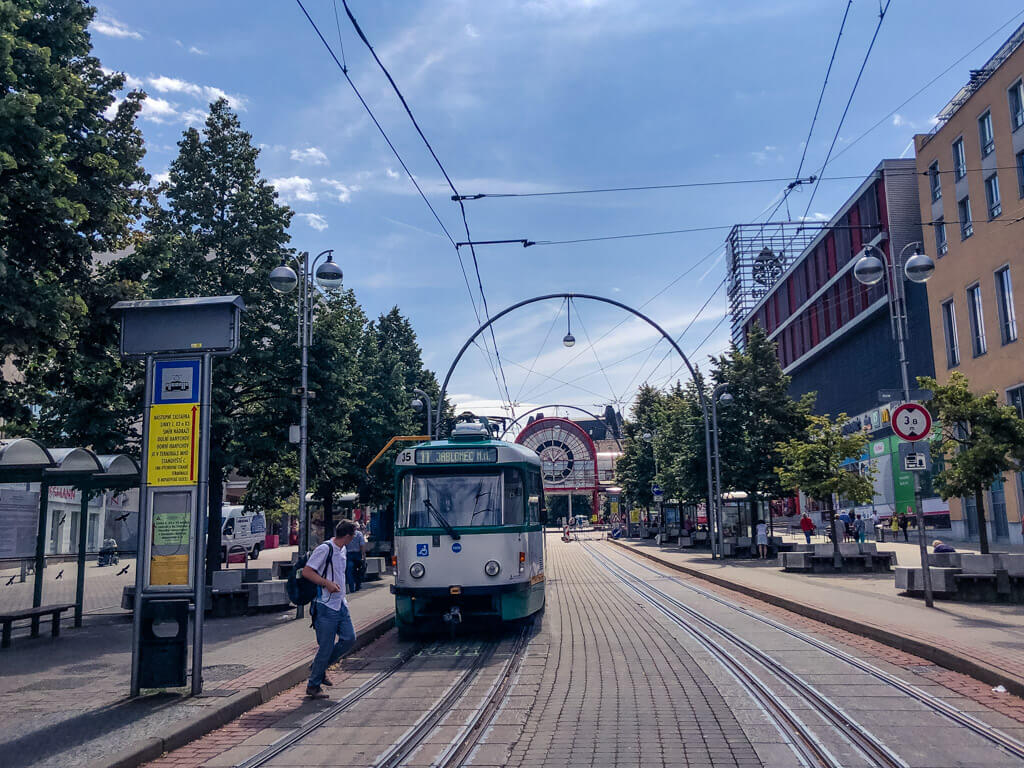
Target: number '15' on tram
(469, 539)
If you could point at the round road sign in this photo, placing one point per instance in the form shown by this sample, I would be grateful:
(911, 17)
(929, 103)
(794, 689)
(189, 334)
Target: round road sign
(911, 421)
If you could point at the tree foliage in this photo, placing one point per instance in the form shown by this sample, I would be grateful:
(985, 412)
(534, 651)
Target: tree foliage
(814, 464)
(978, 438)
(71, 185)
(635, 470)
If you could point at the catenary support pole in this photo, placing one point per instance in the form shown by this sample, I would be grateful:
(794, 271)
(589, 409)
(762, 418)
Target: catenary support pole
(202, 505)
(83, 530)
(141, 564)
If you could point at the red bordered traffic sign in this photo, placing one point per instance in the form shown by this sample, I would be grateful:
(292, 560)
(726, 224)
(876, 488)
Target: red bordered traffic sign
(911, 421)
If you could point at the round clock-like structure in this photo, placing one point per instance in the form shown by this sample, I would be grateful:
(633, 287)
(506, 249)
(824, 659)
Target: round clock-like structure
(568, 457)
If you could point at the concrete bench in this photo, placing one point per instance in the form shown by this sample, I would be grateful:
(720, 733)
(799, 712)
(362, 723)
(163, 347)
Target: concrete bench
(253, 575)
(685, 541)
(35, 614)
(944, 559)
(375, 567)
(796, 561)
(911, 579)
(267, 594)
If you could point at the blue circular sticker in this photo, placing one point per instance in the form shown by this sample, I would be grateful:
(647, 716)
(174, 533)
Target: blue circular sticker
(456, 547)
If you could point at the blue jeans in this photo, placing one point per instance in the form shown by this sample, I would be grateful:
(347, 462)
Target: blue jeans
(352, 581)
(335, 635)
(807, 534)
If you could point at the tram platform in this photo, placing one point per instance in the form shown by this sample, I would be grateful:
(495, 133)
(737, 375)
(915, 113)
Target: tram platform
(983, 641)
(67, 700)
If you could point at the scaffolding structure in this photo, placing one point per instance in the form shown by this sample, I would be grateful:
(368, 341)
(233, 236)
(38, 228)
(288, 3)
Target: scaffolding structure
(758, 256)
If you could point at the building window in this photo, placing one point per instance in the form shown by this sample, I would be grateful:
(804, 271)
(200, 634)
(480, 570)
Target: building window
(1016, 94)
(985, 136)
(1007, 315)
(995, 205)
(959, 160)
(949, 327)
(935, 181)
(966, 225)
(1015, 397)
(978, 346)
(941, 244)
(1020, 174)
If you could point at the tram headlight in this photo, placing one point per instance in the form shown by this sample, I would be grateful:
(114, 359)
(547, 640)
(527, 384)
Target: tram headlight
(416, 570)
(491, 567)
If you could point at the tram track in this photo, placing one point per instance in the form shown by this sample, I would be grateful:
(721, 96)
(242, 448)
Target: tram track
(941, 707)
(806, 745)
(459, 748)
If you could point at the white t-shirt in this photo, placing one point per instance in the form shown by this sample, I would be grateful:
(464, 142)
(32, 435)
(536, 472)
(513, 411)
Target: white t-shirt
(335, 572)
(356, 545)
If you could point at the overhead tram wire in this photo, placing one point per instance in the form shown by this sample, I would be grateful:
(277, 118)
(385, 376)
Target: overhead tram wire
(671, 283)
(451, 185)
(540, 350)
(849, 101)
(593, 349)
(344, 70)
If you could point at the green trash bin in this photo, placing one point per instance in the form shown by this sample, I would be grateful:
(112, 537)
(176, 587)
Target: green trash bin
(163, 646)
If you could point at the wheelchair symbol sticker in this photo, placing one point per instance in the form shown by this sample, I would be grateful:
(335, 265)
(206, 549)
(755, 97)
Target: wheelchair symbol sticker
(456, 547)
(422, 550)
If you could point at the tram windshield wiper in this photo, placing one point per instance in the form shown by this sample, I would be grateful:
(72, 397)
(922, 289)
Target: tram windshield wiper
(442, 520)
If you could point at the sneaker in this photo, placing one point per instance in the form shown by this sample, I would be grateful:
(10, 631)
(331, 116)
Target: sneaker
(327, 681)
(315, 693)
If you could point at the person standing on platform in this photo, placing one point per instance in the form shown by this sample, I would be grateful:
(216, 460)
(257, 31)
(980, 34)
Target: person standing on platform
(356, 558)
(807, 526)
(761, 533)
(859, 528)
(334, 632)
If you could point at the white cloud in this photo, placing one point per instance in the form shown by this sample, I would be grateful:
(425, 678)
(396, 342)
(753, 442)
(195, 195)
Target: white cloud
(295, 188)
(165, 84)
(131, 83)
(197, 51)
(310, 155)
(341, 190)
(158, 110)
(315, 220)
(111, 112)
(392, 174)
(194, 116)
(161, 178)
(111, 27)
(898, 120)
(472, 31)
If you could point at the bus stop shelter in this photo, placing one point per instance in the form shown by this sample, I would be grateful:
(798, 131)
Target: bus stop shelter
(25, 461)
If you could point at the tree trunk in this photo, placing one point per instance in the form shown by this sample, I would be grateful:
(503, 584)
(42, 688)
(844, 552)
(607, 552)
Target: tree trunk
(979, 504)
(214, 521)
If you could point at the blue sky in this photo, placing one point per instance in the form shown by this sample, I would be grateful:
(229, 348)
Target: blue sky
(546, 95)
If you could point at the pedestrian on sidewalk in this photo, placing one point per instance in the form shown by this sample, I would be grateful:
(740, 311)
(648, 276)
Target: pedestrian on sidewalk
(807, 526)
(334, 632)
(904, 523)
(355, 559)
(762, 540)
(858, 528)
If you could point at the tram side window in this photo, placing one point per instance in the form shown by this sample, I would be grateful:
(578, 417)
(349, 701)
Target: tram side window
(535, 491)
(513, 497)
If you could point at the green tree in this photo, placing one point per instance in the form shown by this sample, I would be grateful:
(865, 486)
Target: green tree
(814, 465)
(70, 187)
(680, 444)
(760, 417)
(978, 438)
(635, 470)
(219, 230)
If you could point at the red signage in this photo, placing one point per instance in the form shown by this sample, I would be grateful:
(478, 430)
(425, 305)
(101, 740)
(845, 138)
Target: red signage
(911, 422)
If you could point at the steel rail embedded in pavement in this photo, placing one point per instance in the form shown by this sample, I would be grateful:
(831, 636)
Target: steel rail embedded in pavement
(1014, 746)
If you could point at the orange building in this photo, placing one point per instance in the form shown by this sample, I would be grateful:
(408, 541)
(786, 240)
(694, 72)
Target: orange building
(971, 187)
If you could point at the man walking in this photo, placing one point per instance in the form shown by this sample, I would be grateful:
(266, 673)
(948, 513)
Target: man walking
(355, 554)
(807, 526)
(331, 620)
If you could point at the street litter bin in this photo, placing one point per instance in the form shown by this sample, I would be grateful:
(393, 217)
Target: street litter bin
(163, 646)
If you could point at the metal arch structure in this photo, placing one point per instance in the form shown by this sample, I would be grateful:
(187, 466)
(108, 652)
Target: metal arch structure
(568, 458)
(711, 507)
(522, 416)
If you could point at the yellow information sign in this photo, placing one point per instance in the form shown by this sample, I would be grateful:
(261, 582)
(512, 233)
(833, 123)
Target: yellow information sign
(168, 570)
(634, 515)
(173, 444)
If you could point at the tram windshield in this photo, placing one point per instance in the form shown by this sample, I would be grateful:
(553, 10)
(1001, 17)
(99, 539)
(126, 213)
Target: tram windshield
(462, 500)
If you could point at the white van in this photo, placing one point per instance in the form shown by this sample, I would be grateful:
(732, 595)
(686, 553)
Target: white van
(240, 528)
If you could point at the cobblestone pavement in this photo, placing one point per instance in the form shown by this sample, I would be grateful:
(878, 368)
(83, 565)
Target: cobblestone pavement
(606, 680)
(66, 700)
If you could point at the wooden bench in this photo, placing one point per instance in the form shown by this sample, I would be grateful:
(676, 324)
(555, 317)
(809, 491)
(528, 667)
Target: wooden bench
(35, 614)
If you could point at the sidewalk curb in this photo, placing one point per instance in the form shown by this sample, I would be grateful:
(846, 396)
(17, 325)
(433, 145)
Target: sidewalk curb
(940, 656)
(230, 708)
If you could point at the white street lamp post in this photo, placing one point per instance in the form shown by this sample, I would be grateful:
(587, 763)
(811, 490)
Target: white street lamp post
(283, 279)
(918, 268)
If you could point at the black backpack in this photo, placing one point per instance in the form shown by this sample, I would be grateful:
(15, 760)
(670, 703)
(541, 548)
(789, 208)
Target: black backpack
(302, 591)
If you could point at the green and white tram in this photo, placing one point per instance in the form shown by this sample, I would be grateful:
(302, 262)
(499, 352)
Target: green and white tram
(469, 539)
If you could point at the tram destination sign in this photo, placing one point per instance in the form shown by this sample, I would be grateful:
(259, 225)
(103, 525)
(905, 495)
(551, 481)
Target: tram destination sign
(456, 455)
